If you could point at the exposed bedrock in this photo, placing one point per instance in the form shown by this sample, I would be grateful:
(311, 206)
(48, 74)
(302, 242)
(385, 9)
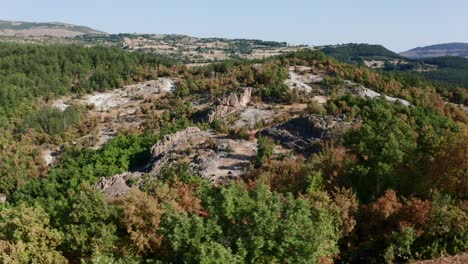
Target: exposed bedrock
(304, 134)
(230, 104)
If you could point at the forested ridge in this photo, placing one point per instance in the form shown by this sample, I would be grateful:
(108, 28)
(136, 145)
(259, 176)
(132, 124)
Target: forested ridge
(448, 74)
(391, 188)
(31, 71)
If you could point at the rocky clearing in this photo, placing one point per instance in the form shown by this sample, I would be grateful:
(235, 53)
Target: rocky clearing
(114, 111)
(209, 154)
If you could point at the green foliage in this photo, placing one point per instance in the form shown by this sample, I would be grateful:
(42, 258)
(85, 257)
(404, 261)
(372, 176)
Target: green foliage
(394, 146)
(400, 246)
(27, 237)
(256, 226)
(446, 73)
(240, 47)
(314, 107)
(452, 70)
(289, 210)
(88, 229)
(277, 93)
(308, 56)
(356, 53)
(30, 71)
(52, 120)
(121, 154)
(264, 151)
(447, 231)
(382, 145)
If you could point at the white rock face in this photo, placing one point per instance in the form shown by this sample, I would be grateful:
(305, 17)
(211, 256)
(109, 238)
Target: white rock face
(372, 94)
(245, 98)
(117, 109)
(250, 116)
(60, 104)
(47, 156)
(301, 81)
(167, 85)
(362, 91)
(294, 82)
(105, 101)
(170, 142)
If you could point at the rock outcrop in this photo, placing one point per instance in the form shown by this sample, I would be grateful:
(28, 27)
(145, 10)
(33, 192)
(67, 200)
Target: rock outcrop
(361, 91)
(304, 134)
(209, 155)
(118, 185)
(230, 104)
(164, 151)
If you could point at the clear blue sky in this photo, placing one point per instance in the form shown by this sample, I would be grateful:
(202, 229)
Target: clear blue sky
(397, 24)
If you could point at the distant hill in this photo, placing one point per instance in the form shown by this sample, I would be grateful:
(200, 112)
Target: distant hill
(189, 49)
(447, 69)
(359, 52)
(25, 29)
(440, 50)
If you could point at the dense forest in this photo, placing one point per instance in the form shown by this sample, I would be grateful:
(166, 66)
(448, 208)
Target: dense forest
(356, 53)
(392, 188)
(450, 70)
(28, 72)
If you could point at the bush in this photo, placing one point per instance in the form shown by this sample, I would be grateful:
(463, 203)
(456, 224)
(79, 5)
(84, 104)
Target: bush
(313, 107)
(264, 151)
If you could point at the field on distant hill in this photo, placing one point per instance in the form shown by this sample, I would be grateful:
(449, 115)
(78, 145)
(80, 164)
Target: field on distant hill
(439, 50)
(24, 29)
(191, 49)
(186, 49)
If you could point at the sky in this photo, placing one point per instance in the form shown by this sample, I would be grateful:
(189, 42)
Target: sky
(397, 24)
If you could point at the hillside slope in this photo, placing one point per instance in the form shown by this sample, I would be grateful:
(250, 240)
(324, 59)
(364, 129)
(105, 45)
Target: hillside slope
(352, 52)
(440, 50)
(23, 29)
(298, 158)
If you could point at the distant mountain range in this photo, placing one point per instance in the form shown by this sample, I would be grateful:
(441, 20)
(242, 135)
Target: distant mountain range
(440, 50)
(27, 29)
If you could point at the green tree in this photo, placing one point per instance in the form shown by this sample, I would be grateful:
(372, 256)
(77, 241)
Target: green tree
(382, 146)
(264, 151)
(27, 237)
(257, 226)
(90, 228)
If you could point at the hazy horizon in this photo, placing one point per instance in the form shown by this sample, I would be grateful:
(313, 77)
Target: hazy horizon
(398, 25)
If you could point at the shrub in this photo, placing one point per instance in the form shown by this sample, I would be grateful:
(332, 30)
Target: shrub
(264, 151)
